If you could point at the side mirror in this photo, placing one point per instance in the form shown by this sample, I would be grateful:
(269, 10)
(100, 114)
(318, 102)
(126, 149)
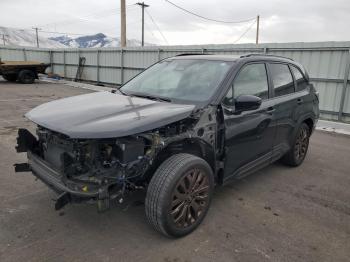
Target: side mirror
(247, 102)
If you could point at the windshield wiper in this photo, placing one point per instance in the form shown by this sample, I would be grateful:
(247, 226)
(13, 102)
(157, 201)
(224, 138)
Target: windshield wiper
(122, 92)
(157, 98)
(117, 90)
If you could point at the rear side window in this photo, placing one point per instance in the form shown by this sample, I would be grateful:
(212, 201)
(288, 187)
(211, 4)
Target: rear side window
(299, 78)
(282, 79)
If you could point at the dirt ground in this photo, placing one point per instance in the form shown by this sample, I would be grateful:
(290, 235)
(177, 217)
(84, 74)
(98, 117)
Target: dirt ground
(277, 214)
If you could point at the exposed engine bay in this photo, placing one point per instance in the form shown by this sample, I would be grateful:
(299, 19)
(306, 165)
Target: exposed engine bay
(108, 169)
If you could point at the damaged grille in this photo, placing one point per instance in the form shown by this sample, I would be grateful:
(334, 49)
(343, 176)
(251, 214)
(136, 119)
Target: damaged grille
(94, 160)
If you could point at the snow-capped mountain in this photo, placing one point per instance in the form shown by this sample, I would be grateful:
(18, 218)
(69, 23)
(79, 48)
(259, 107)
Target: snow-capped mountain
(19, 37)
(89, 41)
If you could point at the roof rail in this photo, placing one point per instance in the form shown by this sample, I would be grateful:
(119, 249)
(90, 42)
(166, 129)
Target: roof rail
(250, 55)
(186, 54)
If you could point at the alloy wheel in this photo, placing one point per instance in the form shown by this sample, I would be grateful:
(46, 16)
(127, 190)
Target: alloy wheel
(190, 198)
(301, 144)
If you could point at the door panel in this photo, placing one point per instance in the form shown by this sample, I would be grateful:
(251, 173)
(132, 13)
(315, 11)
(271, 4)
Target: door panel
(286, 106)
(248, 134)
(285, 122)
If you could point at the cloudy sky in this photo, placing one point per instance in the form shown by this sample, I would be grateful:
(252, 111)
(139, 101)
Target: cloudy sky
(281, 20)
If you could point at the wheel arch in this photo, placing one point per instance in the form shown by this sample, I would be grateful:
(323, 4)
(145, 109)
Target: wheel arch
(193, 146)
(309, 119)
(310, 123)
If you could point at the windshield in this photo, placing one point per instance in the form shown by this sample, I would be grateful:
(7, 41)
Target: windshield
(185, 79)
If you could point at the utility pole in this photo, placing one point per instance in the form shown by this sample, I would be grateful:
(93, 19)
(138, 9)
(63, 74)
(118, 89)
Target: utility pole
(3, 39)
(257, 28)
(122, 23)
(143, 5)
(37, 35)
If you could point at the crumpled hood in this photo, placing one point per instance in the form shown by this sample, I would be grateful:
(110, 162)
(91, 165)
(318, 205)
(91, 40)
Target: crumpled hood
(106, 115)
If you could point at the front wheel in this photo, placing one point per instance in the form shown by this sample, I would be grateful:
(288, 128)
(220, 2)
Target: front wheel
(179, 195)
(297, 153)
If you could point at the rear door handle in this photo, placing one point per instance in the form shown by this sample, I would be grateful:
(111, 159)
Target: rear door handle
(299, 101)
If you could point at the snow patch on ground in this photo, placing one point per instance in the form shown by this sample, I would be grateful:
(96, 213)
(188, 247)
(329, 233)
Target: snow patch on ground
(334, 127)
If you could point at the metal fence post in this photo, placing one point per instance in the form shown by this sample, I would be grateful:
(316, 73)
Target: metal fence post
(158, 54)
(345, 85)
(51, 61)
(122, 66)
(24, 54)
(64, 63)
(98, 66)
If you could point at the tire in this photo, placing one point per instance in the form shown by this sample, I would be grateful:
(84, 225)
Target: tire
(174, 207)
(297, 153)
(10, 77)
(26, 77)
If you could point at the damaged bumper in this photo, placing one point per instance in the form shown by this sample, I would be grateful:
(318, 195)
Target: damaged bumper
(52, 178)
(68, 191)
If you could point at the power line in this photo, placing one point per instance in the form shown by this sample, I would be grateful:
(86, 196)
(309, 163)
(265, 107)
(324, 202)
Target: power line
(245, 32)
(209, 19)
(104, 13)
(49, 32)
(61, 33)
(157, 27)
(150, 31)
(68, 33)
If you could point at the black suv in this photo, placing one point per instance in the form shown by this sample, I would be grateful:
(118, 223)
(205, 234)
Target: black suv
(175, 130)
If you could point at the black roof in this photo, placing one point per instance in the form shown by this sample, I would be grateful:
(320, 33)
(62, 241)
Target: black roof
(236, 58)
(207, 57)
(231, 57)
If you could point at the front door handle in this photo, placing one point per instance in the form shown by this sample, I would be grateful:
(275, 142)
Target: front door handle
(299, 101)
(270, 110)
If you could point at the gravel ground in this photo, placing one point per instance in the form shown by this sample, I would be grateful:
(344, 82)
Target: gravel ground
(277, 214)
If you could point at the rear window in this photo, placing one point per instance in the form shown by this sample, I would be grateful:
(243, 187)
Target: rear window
(299, 78)
(282, 79)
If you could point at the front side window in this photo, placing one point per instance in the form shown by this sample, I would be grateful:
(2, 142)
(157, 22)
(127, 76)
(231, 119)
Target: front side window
(183, 79)
(299, 78)
(282, 79)
(251, 80)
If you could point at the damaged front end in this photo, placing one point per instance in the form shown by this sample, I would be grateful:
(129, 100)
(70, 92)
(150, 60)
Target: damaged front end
(86, 169)
(108, 169)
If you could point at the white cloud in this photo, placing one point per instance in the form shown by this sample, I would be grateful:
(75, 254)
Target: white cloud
(281, 20)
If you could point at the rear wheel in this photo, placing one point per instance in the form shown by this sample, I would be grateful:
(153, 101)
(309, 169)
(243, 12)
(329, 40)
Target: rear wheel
(26, 77)
(299, 149)
(10, 77)
(179, 195)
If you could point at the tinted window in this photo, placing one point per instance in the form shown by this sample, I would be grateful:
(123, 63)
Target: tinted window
(228, 100)
(251, 80)
(282, 79)
(299, 78)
